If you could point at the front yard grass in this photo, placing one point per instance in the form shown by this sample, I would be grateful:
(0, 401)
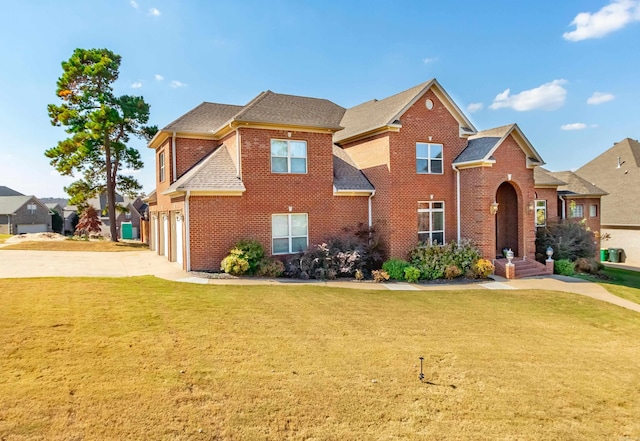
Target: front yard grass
(143, 358)
(4, 237)
(78, 245)
(622, 283)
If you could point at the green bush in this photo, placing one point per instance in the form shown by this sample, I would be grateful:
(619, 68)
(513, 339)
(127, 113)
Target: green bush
(395, 268)
(569, 240)
(234, 264)
(252, 251)
(411, 274)
(564, 267)
(433, 260)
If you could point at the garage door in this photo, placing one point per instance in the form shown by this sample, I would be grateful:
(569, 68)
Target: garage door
(32, 228)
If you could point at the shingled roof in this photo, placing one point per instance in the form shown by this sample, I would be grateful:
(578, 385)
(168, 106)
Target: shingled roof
(575, 185)
(346, 174)
(377, 114)
(11, 204)
(6, 191)
(482, 145)
(617, 171)
(204, 118)
(544, 178)
(215, 173)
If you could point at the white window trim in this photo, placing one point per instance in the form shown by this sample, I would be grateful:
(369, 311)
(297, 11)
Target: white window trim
(535, 212)
(289, 157)
(430, 158)
(289, 236)
(432, 210)
(593, 207)
(573, 213)
(162, 167)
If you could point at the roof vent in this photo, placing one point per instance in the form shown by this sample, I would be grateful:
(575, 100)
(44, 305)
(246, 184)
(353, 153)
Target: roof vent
(620, 163)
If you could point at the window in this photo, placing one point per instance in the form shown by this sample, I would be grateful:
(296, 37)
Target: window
(31, 208)
(431, 222)
(127, 215)
(593, 210)
(577, 210)
(289, 233)
(161, 162)
(288, 156)
(541, 213)
(428, 158)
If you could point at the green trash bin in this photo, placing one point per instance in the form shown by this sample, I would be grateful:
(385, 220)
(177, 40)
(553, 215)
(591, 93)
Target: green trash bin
(604, 255)
(614, 255)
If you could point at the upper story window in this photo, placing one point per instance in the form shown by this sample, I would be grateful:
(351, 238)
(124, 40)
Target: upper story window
(127, 215)
(541, 213)
(288, 156)
(162, 167)
(32, 208)
(431, 222)
(289, 233)
(428, 158)
(577, 210)
(593, 210)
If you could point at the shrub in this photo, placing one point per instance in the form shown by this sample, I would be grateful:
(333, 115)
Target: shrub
(433, 260)
(269, 268)
(589, 266)
(252, 251)
(482, 268)
(395, 268)
(569, 240)
(359, 275)
(380, 276)
(234, 263)
(411, 274)
(564, 267)
(451, 272)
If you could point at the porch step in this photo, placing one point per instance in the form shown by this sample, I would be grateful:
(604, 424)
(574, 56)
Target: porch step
(524, 268)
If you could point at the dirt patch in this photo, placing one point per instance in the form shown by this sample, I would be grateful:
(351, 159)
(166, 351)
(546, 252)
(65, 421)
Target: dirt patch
(35, 237)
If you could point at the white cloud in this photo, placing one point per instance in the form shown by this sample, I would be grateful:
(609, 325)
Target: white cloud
(574, 126)
(159, 77)
(154, 11)
(612, 17)
(136, 85)
(134, 3)
(175, 84)
(549, 96)
(430, 60)
(599, 98)
(474, 107)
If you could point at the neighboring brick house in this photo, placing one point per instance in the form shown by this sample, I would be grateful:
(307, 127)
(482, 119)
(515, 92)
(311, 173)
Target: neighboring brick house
(129, 212)
(291, 171)
(617, 171)
(22, 214)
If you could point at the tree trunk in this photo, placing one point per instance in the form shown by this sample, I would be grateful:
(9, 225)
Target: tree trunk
(111, 191)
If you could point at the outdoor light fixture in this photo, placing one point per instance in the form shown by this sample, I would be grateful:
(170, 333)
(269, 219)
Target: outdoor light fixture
(493, 208)
(549, 253)
(531, 207)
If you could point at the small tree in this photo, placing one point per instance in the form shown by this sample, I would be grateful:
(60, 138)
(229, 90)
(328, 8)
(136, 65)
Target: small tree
(569, 240)
(89, 222)
(57, 222)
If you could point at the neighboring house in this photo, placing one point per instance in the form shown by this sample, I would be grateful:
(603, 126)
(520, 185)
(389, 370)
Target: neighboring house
(292, 171)
(130, 215)
(617, 171)
(22, 214)
(56, 208)
(70, 214)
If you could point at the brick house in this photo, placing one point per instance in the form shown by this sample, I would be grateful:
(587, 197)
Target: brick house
(22, 214)
(291, 171)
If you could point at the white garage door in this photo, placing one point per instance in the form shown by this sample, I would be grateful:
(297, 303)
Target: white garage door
(35, 228)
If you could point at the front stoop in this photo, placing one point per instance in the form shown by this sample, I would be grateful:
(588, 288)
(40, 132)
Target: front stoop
(522, 268)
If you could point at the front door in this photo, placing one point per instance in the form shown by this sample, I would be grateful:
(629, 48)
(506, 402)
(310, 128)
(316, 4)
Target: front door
(507, 219)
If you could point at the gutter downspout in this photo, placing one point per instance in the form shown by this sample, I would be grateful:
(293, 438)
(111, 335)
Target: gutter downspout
(174, 175)
(564, 207)
(373, 193)
(457, 200)
(187, 229)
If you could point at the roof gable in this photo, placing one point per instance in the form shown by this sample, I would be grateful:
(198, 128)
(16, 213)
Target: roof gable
(482, 146)
(378, 114)
(11, 204)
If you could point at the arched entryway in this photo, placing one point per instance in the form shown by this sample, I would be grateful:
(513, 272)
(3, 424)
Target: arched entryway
(507, 218)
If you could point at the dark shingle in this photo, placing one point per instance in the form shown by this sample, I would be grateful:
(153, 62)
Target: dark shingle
(346, 175)
(477, 149)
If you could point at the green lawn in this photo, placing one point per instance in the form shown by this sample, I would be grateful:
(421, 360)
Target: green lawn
(621, 282)
(143, 358)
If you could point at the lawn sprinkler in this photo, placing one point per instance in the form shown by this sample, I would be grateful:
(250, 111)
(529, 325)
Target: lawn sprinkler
(421, 376)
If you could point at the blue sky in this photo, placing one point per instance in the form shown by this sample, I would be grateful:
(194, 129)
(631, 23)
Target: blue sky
(566, 72)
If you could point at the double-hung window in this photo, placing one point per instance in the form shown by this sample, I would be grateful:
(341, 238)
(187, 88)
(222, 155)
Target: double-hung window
(161, 166)
(593, 210)
(32, 208)
(428, 158)
(431, 222)
(289, 233)
(541, 213)
(288, 156)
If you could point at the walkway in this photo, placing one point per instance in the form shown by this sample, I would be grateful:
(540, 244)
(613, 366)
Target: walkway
(21, 264)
